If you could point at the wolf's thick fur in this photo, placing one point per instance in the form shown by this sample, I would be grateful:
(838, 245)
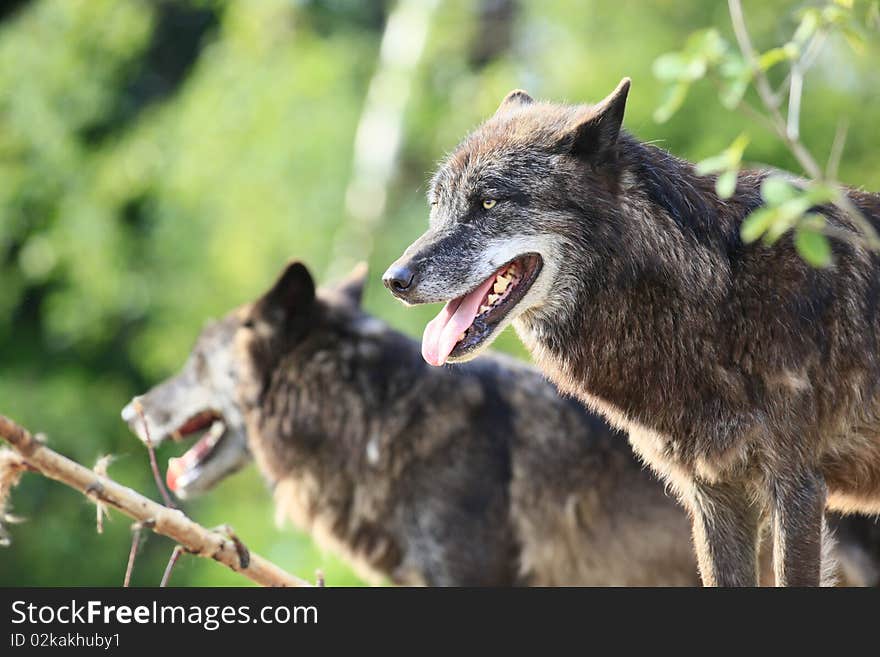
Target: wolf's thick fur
(478, 475)
(745, 377)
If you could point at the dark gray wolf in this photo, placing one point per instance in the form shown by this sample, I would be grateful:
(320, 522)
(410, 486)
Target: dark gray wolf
(747, 379)
(479, 475)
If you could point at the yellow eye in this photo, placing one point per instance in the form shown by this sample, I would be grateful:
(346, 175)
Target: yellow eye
(489, 203)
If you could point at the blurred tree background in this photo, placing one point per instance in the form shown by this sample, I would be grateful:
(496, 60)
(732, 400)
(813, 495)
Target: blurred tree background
(160, 161)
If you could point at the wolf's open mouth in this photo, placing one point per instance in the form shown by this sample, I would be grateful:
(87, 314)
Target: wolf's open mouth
(466, 322)
(184, 469)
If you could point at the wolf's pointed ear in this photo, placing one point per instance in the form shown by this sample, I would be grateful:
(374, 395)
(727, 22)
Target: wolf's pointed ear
(595, 132)
(516, 98)
(352, 286)
(293, 290)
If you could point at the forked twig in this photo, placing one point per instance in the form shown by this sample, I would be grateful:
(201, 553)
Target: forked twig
(169, 522)
(136, 530)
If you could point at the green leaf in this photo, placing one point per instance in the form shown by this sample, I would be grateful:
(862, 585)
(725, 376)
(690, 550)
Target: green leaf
(855, 38)
(833, 15)
(733, 92)
(757, 223)
(734, 66)
(713, 164)
(673, 99)
(725, 186)
(737, 148)
(676, 66)
(820, 194)
(776, 190)
(781, 224)
(707, 43)
(773, 57)
(813, 246)
(669, 67)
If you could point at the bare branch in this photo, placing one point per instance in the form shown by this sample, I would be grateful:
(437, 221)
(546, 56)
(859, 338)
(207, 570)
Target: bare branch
(136, 529)
(172, 523)
(796, 86)
(836, 153)
(796, 89)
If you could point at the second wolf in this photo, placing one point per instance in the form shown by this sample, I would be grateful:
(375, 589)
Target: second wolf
(481, 475)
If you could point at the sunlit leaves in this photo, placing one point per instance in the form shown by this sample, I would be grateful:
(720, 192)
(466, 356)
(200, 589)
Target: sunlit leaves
(703, 50)
(789, 206)
(726, 164)
(812, 244)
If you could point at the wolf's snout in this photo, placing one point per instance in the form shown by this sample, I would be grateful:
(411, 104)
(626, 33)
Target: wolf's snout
(399, 278)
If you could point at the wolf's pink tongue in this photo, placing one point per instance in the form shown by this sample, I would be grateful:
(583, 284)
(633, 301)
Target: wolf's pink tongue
(442, 332)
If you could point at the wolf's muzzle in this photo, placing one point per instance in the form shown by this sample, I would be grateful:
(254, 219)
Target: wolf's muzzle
(399, 278)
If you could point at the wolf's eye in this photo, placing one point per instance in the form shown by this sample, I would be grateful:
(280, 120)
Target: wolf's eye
(489, 203)
(248, 323)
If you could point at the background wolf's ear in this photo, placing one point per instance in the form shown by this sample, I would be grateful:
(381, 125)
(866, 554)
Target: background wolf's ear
(352, 286)
(594, 134)
(293, 290)
(516, 98)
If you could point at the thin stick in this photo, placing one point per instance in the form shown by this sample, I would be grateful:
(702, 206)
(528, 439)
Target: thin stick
(175, 555)
(172, 523)
(836, 150)
(100, 510)
(154, 466)
(132, 554)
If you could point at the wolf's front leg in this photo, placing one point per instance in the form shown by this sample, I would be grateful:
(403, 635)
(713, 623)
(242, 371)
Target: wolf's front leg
(798, 512)
(726, 527)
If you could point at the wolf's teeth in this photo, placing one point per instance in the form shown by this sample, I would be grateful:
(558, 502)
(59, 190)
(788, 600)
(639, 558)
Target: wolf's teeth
(484, 308)
(500, 285)
(492, 298)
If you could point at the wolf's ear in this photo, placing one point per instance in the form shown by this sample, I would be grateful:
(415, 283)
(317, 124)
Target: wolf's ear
(595, 131)
(293, 290)
(516, 98)
(352, 286)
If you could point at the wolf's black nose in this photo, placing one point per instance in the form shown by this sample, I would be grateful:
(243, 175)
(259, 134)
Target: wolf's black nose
(398, 278)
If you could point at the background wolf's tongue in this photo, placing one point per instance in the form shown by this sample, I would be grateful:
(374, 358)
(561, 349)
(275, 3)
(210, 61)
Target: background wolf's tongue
(442, 332)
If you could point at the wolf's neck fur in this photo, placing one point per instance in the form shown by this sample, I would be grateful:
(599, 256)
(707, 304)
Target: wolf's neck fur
(638, 320)
(324, 440)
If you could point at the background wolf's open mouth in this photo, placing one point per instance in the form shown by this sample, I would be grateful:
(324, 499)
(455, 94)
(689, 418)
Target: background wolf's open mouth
(183, 470)
(467, 321)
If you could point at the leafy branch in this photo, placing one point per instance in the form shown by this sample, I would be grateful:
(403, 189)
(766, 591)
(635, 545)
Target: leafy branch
(789, 204)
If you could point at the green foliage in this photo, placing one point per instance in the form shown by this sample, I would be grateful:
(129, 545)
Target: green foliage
(707, 54)
(787, 206)
(726, 165)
